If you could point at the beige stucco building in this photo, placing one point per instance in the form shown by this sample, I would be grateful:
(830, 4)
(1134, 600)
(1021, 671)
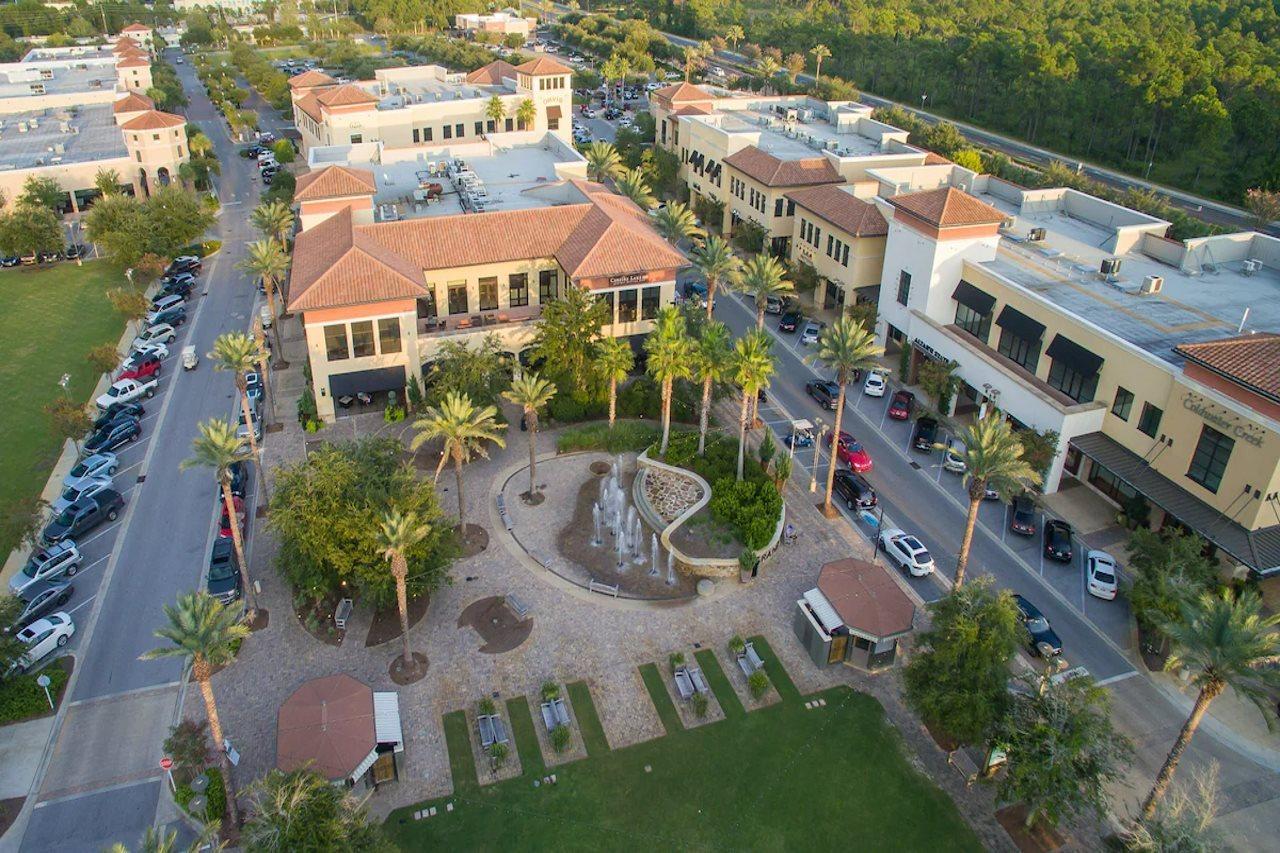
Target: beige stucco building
(504, 23)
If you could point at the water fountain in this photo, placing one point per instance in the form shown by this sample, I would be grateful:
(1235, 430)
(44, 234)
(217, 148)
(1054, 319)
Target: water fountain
(595, 520)
(622, 548)
(653, 565)
(637, 541)
(671, 568)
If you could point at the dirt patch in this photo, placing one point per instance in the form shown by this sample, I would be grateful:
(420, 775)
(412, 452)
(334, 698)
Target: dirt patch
(473, 540)
(9, 812)
(1038, 840)
(386, 622)
(532, 499)
(944, 741)
(261, 619)
(402, 674)
(500, 629)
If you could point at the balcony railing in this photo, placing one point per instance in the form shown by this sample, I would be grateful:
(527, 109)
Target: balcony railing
(485, 321)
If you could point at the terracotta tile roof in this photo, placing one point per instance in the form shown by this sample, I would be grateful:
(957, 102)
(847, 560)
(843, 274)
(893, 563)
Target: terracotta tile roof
(615, 237)
(866, 598)
(543, 65)
(153, 120)
(133, 103)
(841, 209)
(492, 74)
(310, 105)
(135, 62)
(136, 28)
(932, 158)
(692, 110)
(310, 77)
(345, 96)
(1252, 361)
(326, 725)
(132, 55)
(334, 182)
(683, 93)
(123, 43)
(337, 264)
(948, 207)
(772, 172)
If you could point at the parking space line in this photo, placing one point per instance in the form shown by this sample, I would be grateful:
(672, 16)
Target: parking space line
(1113, 679)
(112, 526)
(88, 600)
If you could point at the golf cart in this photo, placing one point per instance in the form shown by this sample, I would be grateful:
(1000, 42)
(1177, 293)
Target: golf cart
(801, 434)
(189, 358)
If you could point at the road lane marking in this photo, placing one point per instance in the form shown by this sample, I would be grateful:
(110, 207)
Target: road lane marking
(1121, 677)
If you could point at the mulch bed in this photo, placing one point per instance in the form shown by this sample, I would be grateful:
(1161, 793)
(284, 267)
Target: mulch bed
(473, 540)
(1037, 840)
(532, 500)
(944, 742)
(9, 812)
(1154, 651)
(500, 629)
(261, 619)
(402, 676)
(323, 612)
(386, 622)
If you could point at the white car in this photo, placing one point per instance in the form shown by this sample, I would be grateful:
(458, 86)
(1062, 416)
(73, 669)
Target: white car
(626, 120)
(1101, 575)
(908, 552)
(82, 488)
(875, 385)
(162, 333)
(43, 636)
(953, 458)
(160, 351)
(97, 465)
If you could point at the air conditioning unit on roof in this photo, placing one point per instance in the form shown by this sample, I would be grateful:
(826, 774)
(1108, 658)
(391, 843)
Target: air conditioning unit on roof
(1151, 285)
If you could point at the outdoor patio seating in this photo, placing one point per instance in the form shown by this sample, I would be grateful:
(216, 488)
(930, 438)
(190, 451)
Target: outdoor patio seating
(554, 713)
(562, 712)
(485, 724)
(750, 652)
(684, 684)
(548, 716)
(699, 683)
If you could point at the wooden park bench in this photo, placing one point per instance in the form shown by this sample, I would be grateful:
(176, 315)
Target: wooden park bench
(548, 716)
(750, 652)
(485, 723)
(561, 711)
(342, 613)
(502, 513)
(603, 588)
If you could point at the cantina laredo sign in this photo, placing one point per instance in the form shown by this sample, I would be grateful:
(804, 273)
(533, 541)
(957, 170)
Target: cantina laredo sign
(1242, 431)
(629, 278)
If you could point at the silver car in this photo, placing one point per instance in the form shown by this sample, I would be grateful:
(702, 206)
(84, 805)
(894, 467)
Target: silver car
(61, 558)
(81, 488)
(96, 465)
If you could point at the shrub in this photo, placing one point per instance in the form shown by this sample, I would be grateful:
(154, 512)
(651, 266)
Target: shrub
(486, 707)
(751, 508)
(567, 408)
(560, 736)
(625, 436)
(498, 752)
(21, 698)
(676, 659)
(700, 704)
(550, 691)
(736, 645)
(758, 684)
(188, 746)
(642, 398)
(215, 795)
(393, 413)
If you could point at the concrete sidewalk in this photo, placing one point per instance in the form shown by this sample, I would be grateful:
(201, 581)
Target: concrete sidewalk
(21, 748)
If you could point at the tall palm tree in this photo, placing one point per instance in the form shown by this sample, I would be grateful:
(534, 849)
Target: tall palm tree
(676, 222)
(531, 392)
(633, 184)
(1219, 641)
(614, 360)
(602, 161)
(752, 367)
(495, 111)
(218, 447)
(763, 276)
(204, 634)
(670, 353)
(819, 53)
(199, 145)
(712, 363)
(397, 533)
(274, 219)
(465, 429)
(107, 182)
(267, 260)
(769, 68)
(734, 34)
(993, 460)
(717, 263)
(526, 113)
(847, 349)
(241, 355)
(692, 59)
(300, 810)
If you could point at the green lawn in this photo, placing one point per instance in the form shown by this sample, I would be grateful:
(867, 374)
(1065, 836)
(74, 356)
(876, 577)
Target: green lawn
(584, 708)
(52, 317)
(660, 698)
(781, 778)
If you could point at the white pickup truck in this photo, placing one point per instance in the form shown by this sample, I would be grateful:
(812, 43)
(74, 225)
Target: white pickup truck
(128, 390)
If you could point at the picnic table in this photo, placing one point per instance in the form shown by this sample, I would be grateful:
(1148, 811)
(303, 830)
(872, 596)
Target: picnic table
(684, 684)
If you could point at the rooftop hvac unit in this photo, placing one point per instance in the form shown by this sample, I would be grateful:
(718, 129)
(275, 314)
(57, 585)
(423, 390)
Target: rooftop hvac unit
(1252, 265)
(1151, 285)
(1110, 266)
(790, 114)
(59, 148)
(1038, 234)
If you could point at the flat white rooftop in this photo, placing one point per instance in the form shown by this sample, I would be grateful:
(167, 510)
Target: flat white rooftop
(22, 80)
(54, 136)
(803, 139)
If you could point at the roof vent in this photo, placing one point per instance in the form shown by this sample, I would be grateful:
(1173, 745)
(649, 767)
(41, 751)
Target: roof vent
(1151, 285)
(1037, 235)
(1252, 265)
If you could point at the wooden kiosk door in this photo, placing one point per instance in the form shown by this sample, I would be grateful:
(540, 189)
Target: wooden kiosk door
(839, 645)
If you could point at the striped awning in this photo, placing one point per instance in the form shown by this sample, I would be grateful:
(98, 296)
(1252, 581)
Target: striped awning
(823, 610)
(386, 719)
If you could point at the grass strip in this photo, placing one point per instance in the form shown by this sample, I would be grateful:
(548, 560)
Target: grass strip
(461, 764)
(777, 673)
(719, 683)
(661, 699)
(584, 711)
(525, 736)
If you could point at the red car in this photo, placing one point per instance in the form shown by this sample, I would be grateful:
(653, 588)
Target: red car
(853, 454)
(901, 405)
(224, 523)
(144, 369)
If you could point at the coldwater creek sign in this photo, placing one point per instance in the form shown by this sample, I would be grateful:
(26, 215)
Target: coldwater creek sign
(629, 278)
(1242, 431)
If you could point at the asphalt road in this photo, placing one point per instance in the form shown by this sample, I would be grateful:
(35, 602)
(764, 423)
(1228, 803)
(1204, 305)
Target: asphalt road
(100, 782)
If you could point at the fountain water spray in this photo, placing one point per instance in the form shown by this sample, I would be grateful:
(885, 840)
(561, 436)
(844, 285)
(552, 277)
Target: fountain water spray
(671, 568)
(653, 565)
(637, 542)
(595, 520)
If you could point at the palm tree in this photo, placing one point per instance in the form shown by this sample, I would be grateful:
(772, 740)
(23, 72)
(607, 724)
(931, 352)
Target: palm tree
(692, 59)
(676, 222)
(107, 182)
(752, 367)
(397, 533)
(712, 362)
(603, 161)
(495, 111)
(769, 68)
(614, 360)
(274, 219)
(848, 349)
(632, 184)
(763, 276)
(717, 262)
(199, 145)
(734, 34)
(1219, 642)
(670, 358)
(465, 428)
(241, 354)
(218, 447)
(526, 113)
(300, 810)
(205, 635)
(819, 53)
(993, 459)
(267, 260)
(531, 392)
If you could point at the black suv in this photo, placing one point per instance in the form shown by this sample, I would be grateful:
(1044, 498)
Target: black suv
(824, 391)
(1057, 540)
(855, 490)
(113, 435)
(224, 572)
(1024, 516)
(121, 412)
(926, 435)
(83, 515)
(790, 321)
(1045, 642)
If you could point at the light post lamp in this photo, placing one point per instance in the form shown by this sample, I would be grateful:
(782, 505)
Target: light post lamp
(923, 97)
(817, 454)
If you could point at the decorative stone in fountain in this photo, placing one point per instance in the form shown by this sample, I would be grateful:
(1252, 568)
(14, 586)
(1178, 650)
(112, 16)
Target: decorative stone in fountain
(670, 493)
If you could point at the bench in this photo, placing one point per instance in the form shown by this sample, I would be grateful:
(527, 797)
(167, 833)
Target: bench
(602, 588)
(548, 716)
(485, 724)
(561, 711)
(342, 613)
(684, 684)
(754, 658)
(699, 683)
(502, 513)
(745, 666)
(499, 730)
(518, 607)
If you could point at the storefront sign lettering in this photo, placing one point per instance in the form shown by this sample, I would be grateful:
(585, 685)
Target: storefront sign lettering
(927, 350)
(629, 278)
(1243, 431)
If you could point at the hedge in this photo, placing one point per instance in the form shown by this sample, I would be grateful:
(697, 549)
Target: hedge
(625, 436)
(22, 699)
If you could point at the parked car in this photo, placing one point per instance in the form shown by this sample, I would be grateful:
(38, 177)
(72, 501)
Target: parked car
(162, 303)
(83, 515)
(160, 333)
(156, 348)
(875, 385)
(45, 564)
(926, 433)
(1023, 521)
(953, 456)
(223, 579)
(224, 520)
(811, 331)
(901, 405)
(773, 305)
(1044, 641)
(183, 263)
(1101, 575)
(113, 435)
(851, 452)
(1057, 540)
(47, 257)
(128, 390)
(908, 552)
(143, 368)
(253, 388)
(42, 636)
(177, 288)
(39, 601)
(74, 251)
(239, 478)
(825, 392)
(133, 409)
(179, 277)
(10, 261)
(854, 489)
(84, 487)
(93, 466)
(790, 321)
(175, 316)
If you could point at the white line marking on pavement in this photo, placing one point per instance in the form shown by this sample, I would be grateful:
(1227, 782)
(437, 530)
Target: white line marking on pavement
(150, 779)
(1121, 677)
(81, 604)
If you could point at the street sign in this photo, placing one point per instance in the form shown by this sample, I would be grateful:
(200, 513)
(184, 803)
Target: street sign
(166, 763)
(43, 681)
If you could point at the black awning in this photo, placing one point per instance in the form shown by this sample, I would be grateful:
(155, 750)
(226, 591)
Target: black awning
(1074, 356)
(978, 300)
(1020, 324)
(369, 381)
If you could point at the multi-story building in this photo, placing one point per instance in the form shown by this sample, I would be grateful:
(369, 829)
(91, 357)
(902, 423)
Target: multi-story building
(402, 249)
(429, 106)
(69, 113)
(504, 23)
